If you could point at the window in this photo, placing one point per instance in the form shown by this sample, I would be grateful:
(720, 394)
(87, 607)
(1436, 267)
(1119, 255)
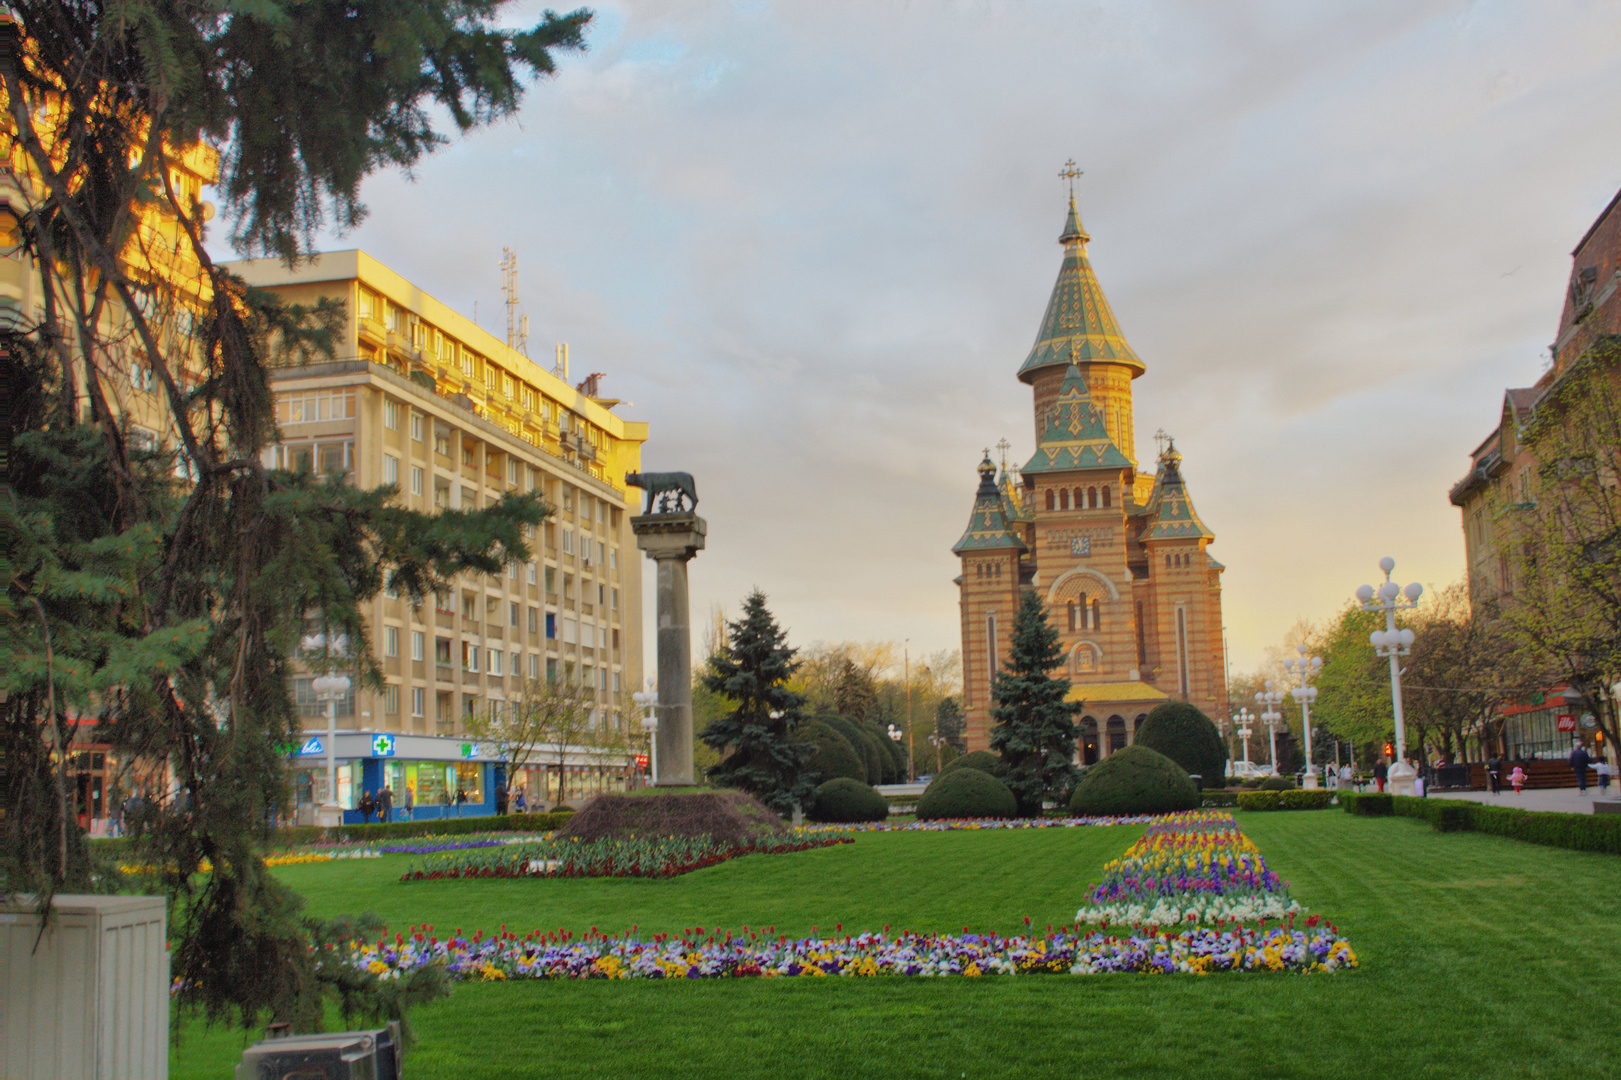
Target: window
(534, 620)
(515, 670)
(517, 610)
(615, 596)
(512, 572)
(416, 427)
(469, 459)
(416, 480)
(534, 573)
(391, 699)
(1097, 614)
(551, 667)
(419, 701)
(990, 642)
(391, 469)
(551, 624)
(534, 665)
(613, 558)
(512, 472)
(312, 406)
(1074, 624)
(441, 651)
(418, 638)
(391, 415)
(335, 458)
(1081, 603)
(391, 641)
(495, 661)
(551, 581)
(1167, 560)
(1051, 500)
(441, 441)
(568, 541)
(469, 656)
(1063, 499)
(1092, 498)
(469, 499)
(1106, 490)
(616, 682)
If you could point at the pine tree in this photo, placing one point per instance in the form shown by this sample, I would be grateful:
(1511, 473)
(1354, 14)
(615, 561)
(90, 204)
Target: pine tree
(756, 740)
(1035, 726)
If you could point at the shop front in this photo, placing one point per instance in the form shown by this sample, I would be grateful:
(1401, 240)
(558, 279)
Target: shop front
(429, 777)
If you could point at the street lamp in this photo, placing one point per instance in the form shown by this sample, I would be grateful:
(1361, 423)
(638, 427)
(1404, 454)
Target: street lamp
(329, 688)
(648, 700)
(1394, 644)
(1243, 719)
(1269, 700)
(1305, 666)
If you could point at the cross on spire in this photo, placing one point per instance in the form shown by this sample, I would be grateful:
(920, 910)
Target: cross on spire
(1071, 174)
(1160, 439)
(1004, 446)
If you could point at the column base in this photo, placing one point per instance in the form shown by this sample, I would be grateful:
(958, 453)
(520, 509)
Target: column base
(329, 815)
(1399, 781)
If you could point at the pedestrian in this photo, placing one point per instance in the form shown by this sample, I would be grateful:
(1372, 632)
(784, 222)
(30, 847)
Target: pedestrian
(385, 805)
(1604, 770)
(501, 799)
(366, 807)
(1494, 775)
(1345, 776)
(410, 802)
(1579, 761)
(522, 803)
(1517, 778)
(1381, 771)
(461, 800)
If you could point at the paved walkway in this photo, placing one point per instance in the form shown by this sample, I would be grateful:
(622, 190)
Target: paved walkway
(1565, 800)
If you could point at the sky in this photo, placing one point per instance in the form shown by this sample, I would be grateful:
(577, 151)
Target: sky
(811, 243)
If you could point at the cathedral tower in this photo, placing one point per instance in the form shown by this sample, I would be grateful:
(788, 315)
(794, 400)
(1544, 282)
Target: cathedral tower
(1118, 555)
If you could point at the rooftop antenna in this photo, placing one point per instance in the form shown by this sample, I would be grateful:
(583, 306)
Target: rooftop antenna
(517, 322)
(560, 368)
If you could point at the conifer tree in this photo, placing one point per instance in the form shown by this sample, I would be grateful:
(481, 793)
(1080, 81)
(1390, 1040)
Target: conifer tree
(757, 738)
(1035, 726)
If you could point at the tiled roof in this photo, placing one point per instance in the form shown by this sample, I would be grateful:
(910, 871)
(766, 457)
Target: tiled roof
(1074, 436)
(987, 525)
(1170, 512)
(1079, 326)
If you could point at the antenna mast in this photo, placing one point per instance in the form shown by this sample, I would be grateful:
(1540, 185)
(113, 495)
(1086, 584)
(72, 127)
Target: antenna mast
(517, 322)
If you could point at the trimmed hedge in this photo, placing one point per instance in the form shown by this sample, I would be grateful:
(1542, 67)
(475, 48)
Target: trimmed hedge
(1372, 804)
(983, 760)
(842, 799)
(1290, 799)
(1575, 832)
(1277, 783)
(1219, 798)
(315, 834)
(1134, 780)
(966, 793)
(834, 756)
(1184, 734)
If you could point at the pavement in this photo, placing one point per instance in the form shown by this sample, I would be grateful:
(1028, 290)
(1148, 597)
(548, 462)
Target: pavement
(1563, 800)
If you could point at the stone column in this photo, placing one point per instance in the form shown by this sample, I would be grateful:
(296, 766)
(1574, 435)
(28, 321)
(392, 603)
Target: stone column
(671, 540)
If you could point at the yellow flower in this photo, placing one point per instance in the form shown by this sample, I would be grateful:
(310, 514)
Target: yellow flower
(971, 970)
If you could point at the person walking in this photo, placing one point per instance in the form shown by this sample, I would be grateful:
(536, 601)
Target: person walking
(1381, 772)
(521, 802)
(410, 802)
(1517, 778)
(501, 799)
(1604, 770)
(366, 807)
(385, 805)
(1579, 761)
(1494, 775)
(461, 800)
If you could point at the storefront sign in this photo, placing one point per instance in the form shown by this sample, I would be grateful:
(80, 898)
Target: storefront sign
(1567, 721)
(641, 762)
(382, 746)
(1589, 721)
(312, 745)
(469, 749)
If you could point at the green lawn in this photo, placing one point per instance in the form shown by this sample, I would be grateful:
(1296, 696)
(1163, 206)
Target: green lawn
(1481, 957)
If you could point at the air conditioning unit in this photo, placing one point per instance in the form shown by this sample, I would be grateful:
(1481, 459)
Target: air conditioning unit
(342, 1055)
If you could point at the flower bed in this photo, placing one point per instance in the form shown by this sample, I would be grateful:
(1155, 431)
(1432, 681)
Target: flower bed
(557, 955)
(666, 856)
(1194, 867)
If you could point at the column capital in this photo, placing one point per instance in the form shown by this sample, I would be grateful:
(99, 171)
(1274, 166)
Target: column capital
(670, 536)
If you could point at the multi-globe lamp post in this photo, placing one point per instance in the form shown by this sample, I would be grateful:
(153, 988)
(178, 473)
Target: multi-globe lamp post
(1393, 644)
(1305, 666)
(330, 689)
(1244, 730)
(648, 701)
(1269, 700)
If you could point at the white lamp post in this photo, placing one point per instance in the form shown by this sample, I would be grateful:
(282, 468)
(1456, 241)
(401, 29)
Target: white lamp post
(1269, 700)
(329, 688)
(1244, 731)
(1394, 644)
(1305, 666)
(895, 733)
(648, 700)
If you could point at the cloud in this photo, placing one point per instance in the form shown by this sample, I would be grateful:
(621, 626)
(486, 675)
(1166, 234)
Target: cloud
(812, 242)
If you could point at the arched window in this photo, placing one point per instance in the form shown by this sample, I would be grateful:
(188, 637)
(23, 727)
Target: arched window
(1106, 490)
(1097, 614)
(1081, 614)
(1074, 623)
(1167, 560)
(998, 569)
(1063, 499)
(1050, 499)
(1092, 498)
(1080, 499)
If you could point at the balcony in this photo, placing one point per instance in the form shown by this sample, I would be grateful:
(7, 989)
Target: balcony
(444, 673)
(445, 619)
(470, 678)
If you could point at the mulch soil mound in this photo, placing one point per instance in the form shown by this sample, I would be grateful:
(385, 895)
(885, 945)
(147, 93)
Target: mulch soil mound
(725, 815)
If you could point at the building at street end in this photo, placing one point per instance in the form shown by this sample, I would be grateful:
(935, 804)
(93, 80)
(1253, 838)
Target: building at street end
(421, 397)
(1118, 554)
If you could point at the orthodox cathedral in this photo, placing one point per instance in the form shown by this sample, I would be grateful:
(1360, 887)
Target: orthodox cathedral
(1118, 554)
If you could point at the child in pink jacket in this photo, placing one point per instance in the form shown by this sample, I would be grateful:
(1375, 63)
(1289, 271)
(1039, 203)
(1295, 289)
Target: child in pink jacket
(1517, 778)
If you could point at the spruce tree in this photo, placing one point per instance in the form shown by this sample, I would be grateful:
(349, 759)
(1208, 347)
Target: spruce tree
(756, 739)
(1035, 726)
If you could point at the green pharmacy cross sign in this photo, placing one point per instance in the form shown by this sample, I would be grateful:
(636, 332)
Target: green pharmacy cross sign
(382, 746)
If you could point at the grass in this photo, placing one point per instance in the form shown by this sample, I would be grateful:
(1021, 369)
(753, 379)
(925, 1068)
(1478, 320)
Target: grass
(1482, 957)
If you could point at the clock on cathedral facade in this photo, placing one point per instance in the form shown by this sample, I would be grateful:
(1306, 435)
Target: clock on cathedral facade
(1118, 555)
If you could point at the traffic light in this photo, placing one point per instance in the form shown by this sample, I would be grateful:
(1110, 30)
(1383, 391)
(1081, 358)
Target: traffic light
(1390, 750)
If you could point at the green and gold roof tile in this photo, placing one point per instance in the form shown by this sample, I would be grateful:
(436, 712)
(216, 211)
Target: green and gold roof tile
(1079, 326)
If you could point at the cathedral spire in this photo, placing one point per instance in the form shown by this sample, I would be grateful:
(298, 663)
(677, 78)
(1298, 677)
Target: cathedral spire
(1079, 326)
(1170, 514)
(987, 525)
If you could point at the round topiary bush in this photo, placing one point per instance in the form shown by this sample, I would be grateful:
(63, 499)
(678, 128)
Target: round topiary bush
(843, 799)
(983, 760)
(1277, 783)
(1134, 780)
(834, 756)
(1185, 735)
(966, 793)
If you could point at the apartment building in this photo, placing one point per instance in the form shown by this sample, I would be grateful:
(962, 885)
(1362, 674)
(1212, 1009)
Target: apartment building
(421, 397)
